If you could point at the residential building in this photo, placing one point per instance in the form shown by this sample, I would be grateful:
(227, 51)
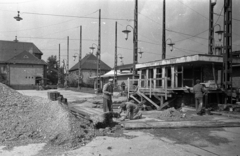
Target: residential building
(88, 69)
(21, 64)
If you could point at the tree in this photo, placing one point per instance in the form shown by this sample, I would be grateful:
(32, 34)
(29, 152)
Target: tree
(52, 70)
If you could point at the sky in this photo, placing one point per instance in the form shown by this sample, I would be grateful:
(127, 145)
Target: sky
(47, 23)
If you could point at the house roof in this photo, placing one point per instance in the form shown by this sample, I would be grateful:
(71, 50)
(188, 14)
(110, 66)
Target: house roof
(90, 62)
(26, 58)
(119, 74)
(125, 67)
(9, 49)
(197, 58)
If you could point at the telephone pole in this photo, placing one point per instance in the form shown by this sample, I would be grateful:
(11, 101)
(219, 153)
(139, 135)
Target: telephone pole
(211, 28)
(115, 57)
(79, 61)
(59, 64)
(227, 44)
(163, 33)
(67, 60)
(99, 55)
(135, 39)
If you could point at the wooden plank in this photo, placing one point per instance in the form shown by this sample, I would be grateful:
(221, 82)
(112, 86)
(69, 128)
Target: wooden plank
(166, 103)
(179, 124)
(145, 97)
(135, 98)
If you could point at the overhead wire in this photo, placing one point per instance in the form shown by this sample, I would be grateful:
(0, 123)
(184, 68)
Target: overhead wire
(77, 16)
(194, 10)
(57, 38)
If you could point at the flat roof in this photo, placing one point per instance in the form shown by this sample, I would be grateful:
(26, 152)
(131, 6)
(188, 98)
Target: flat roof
(204, 58)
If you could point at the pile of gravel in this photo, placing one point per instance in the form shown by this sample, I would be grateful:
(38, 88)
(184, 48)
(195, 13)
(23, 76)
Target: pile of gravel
(170, 114)
(34, 119)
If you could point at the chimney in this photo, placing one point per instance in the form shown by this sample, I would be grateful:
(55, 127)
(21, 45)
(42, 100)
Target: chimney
(15, 39)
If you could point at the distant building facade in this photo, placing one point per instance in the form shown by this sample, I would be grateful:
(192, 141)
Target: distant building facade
(88, 69)
(21, 66)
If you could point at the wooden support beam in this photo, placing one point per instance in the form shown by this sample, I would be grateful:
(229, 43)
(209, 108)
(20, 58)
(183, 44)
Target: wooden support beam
(166, 103)
(176, 76)
(154, 77)
(161, 99)
(172, 76)
(147, 77)
(135, 99)
(145, 97)
(182, 76)
(163, 76)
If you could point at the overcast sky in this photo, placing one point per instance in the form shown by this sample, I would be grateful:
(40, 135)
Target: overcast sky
(184, 18)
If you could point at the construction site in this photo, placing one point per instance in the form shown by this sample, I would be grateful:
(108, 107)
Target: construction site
(179, 105)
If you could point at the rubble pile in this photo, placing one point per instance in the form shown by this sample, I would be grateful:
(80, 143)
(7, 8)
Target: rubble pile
(34, 119)
(170, 114)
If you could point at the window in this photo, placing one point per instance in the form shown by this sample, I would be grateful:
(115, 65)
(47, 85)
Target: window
(25, 56)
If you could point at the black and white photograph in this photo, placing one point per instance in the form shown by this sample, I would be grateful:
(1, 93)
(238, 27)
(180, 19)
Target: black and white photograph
(119, 78)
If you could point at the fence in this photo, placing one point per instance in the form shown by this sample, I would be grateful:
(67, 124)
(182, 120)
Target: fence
(149, 84)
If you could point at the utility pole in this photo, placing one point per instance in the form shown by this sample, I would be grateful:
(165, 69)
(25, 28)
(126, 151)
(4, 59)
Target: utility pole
(163, 33)
(59, 64)
(99, 54)
(79, 61)
(211, 28)
(227, 44)
(67, 59)
(135, 39)
(115, 57)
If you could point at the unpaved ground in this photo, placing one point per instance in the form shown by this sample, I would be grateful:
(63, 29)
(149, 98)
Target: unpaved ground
(171, 142)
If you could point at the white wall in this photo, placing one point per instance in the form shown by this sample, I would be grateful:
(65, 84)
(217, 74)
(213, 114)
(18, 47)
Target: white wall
(25, 74)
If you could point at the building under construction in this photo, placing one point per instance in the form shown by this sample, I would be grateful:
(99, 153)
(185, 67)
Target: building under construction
(163, 81)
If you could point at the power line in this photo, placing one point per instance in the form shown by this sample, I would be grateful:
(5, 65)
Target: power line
(19, 2)
(142, 51)
(77, 16)
(186, 34)
(222, 16)
(187, 50)
(194, 10)
(192, 36)
(43, 38)
(219, 15)
(51, 24)
(149, 42)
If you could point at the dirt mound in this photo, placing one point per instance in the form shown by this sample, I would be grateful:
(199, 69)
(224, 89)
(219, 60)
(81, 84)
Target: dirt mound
(170, 114)
(34, 119)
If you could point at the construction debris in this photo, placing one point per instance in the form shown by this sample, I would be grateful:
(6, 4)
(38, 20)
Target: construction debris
(171, 114)
(33, 119)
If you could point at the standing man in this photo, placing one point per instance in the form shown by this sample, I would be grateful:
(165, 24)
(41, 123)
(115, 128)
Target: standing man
(198, 90)
(107, 96)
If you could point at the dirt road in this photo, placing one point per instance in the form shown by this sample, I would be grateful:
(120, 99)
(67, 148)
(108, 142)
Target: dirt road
(170, 142)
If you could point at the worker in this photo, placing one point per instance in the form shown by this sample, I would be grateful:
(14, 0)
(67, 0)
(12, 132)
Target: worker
(198, 90)
(107, 96)
(133, 110)
(134, 93)
(123, 86)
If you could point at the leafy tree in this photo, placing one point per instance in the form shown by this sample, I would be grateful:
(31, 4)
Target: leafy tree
(52, 70)
(3, 78)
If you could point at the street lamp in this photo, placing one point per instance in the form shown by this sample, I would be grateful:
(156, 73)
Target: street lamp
(135, 48)
(171, 44)
(92, 48)
(79, 69)
(121, 58)
(98, 65)
(18, 18)
(213, 2)
(140, 52)
(219, 32)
